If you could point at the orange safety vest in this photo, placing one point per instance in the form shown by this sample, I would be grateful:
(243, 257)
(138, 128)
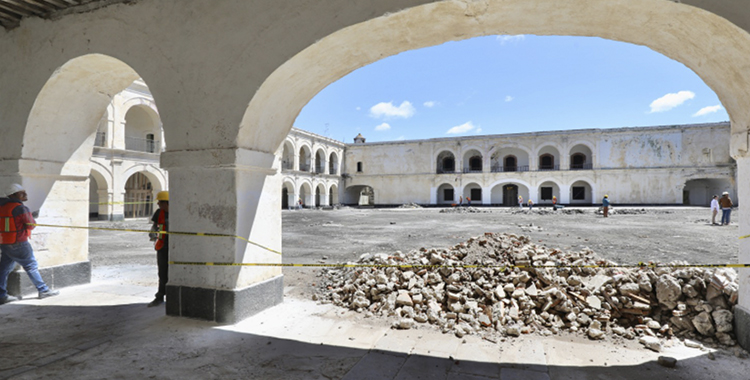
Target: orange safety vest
(8, 230)
(160, 227)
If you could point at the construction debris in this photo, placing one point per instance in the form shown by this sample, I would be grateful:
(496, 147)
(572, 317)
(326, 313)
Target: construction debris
(410, 205)
(523, 288)
(464, 210)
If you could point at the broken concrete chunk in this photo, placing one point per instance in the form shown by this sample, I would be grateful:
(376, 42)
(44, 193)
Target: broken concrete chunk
(651, 342)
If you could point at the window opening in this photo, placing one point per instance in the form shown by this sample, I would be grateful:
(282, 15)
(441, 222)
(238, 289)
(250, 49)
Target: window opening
(579, 193)
(546, 193)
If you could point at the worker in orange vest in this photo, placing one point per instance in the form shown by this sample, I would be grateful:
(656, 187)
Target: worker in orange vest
(161, 225)
(16, 223)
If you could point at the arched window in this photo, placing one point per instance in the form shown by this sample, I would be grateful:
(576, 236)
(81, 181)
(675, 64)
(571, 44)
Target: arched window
(578, 161)
(547, 162)
(475, 164)
(510, 164)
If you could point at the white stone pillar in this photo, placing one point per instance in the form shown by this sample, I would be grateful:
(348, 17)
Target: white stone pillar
(105, 204)
(486, 196)
(223, 191)
(564, 197)
(59, 200)
(742, 309)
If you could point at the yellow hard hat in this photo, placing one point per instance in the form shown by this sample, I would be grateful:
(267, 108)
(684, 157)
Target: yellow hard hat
(606, 196)
(162, 196)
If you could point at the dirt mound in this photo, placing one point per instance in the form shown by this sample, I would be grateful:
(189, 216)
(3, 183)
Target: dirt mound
(410, 205)
(520, 288)
(464, 210)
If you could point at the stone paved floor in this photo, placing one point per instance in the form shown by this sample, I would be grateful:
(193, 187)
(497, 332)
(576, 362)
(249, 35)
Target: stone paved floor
(104, 331)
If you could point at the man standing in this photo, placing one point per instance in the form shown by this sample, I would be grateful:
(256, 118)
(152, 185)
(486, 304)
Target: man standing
(605, 206)
(16, 223)
(726, 208)
(520, 202)
(161, 224)
(554, 203)
(714, 209)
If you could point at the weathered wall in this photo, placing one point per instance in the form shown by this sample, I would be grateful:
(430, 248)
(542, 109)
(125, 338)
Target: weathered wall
(631, 165)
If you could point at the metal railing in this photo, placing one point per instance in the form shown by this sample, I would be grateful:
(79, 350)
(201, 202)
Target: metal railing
(142, 145)
(472, 170)
(515, 168)
(445, 171)
(549, 167)
(581, 166)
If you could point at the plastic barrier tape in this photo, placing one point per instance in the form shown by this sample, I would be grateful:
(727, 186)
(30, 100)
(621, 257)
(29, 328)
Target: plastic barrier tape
(160, 232)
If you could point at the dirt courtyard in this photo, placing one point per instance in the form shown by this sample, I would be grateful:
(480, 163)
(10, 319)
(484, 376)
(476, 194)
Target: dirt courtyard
(631, 235)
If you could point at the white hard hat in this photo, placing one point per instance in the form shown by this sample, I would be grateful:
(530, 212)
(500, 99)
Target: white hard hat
(12, 189)
(725, 193)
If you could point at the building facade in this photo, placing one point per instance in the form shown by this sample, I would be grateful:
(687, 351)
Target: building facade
(684, 164)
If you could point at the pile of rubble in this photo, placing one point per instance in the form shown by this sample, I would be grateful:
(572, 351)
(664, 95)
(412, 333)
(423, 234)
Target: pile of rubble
(510, 293)
(410, 205)
(464, 210)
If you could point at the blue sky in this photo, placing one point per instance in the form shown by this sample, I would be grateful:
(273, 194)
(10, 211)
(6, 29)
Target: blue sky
(510, 84)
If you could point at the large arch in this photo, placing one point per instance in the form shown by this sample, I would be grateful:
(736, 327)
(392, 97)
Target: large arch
(51, 155)
(498, 192)
(713, 47)
(704, 46)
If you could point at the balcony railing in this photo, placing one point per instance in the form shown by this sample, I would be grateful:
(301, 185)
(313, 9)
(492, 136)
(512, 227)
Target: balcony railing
(549, 167)
(581, 166)
(142, 145)
(445, 171)
(516, 168)
(472, 170)
(304, 167)
(101, 139)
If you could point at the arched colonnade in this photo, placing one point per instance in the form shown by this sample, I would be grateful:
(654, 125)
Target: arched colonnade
(229, 100)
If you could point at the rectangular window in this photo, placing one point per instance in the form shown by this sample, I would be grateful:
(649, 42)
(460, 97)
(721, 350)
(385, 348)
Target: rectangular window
(448, 195)
(359, 167)
(476, 195)
(546, 193)
(579, 193)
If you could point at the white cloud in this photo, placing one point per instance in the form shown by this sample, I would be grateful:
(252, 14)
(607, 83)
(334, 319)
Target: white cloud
(430, 104)
(382, 109)
(358, 108)
(511, 39)
(508, 98)
(478, 130)
(671, 100)
(383, 127)
(707, 110)
(463, 128)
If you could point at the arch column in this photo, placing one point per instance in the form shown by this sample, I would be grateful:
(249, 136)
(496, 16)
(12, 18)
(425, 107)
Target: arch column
(54, 199)
(223, 191)
(742, 309)
(106, 201)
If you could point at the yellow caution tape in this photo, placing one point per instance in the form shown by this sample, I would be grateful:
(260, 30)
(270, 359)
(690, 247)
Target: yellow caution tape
(744, 237)
(121, 203)
(464, 266)
(159, 232)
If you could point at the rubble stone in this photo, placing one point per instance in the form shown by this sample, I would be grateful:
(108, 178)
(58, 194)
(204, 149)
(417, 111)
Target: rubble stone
(500, 294)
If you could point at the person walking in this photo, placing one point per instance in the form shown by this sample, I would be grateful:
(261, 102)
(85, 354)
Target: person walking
(531, 204)
(726, 208)
(714, 209)
(520, 202)
(605, 206)
(554, 203)
(16, 223)
(161, 224)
